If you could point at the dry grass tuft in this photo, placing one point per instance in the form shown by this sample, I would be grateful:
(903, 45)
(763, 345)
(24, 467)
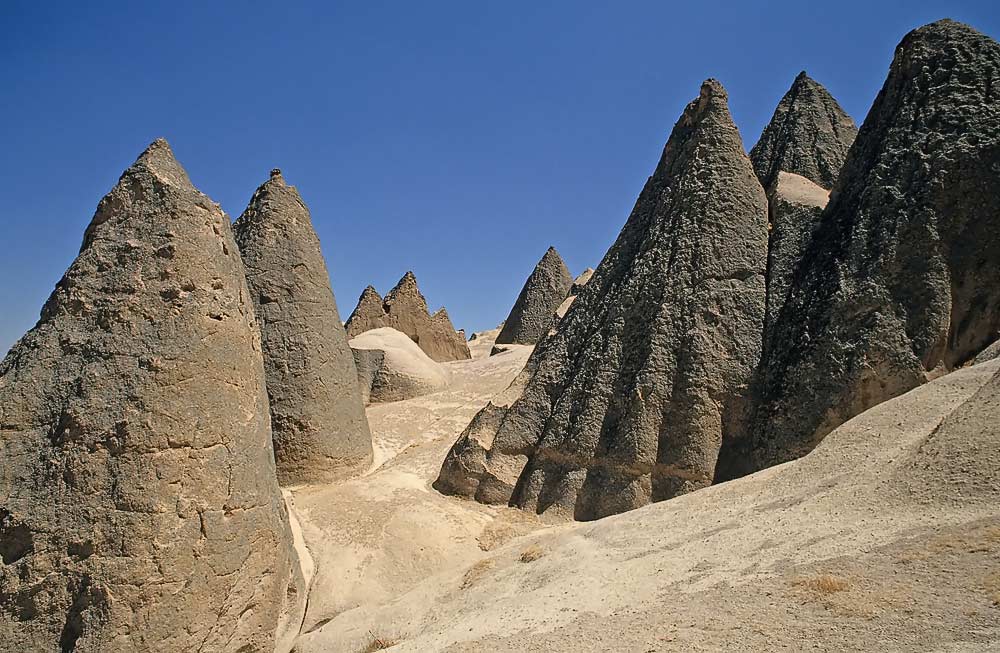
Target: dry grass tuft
(532, 553)
(476, 572)
(378, 644)
(824, 584)
(508, 524)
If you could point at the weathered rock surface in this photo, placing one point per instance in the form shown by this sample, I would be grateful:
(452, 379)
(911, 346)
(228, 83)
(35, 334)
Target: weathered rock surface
(391, 367)
(405, 309)
(534, 310)
(795, 205)
(902, 279)
(574, 290)
(317, 417)
(139, 509)
(808, 135)
(988, 354)
(629, 400)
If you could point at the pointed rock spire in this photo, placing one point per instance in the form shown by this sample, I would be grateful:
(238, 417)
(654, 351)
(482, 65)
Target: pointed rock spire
(809, 135)
(628, 401)
(405, 309)
(534, 310)
(901, 282)
(139, 508)
(317, 416)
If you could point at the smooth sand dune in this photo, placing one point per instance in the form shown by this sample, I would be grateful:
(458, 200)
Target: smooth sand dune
(864, 544)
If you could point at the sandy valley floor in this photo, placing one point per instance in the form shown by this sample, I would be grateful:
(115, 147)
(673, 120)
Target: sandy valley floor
(870, 543)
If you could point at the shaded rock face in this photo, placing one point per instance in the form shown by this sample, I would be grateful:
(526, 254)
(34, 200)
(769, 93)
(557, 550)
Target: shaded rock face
(139, 509)
(795, 205)
(534, 310)
(317, 416)
(628, 401)
(405, 309)
(574, 290)
(809, 135)
(391, 367)
(901, 281)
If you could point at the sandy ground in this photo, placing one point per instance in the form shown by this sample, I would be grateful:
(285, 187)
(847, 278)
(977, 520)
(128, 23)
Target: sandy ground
(856, 547)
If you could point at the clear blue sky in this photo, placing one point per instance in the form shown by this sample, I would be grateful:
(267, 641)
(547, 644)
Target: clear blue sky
(457, 139)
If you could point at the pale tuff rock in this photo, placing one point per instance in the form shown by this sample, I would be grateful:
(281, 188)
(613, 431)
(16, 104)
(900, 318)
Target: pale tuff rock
(391, 367)
(630, 399)
(139, 509)
(317, 416)
(534, 310)
(405, 309)
(901, 281)
(808, 135)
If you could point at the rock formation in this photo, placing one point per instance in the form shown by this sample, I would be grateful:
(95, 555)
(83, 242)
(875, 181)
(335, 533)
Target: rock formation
(574, 290)
(629, 400)
(405, 309)
(534, 310)
(139, 509)
(795, 205)
(901, 281)
(317, 417)
(391, 367)
(809, 135)
(797, 159)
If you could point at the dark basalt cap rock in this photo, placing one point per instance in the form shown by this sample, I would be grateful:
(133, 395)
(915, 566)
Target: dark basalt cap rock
(630, 398)
(901, 281)
(534, 310)
(809, 135)
(318, 420)
(139, 508)
(405, 309)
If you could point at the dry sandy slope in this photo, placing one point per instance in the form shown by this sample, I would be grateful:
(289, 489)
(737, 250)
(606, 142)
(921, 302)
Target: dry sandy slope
(374, 537)
(852, 548)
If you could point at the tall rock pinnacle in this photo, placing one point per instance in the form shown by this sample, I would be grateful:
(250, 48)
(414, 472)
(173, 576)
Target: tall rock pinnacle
(902, 280)
(798, 158)
(809, 135)
(138, 503)
(629, 400)
(317, 416)
(534, 310)
(405, 309)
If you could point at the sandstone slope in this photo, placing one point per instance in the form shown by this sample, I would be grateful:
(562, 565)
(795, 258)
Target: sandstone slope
(391, 367)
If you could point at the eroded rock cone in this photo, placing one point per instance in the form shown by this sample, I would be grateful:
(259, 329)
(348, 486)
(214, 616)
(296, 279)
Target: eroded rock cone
(405, 309)
(628, 401)
(902, 279)
(809, 135)
(139, 509)
(534, 310)
(317, 417)
(795, 205)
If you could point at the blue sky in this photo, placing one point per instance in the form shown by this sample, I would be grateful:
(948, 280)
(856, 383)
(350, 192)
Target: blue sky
(457, 139)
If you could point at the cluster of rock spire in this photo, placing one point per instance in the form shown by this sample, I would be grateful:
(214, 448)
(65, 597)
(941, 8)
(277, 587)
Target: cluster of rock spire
(738, 318)
(184, 369)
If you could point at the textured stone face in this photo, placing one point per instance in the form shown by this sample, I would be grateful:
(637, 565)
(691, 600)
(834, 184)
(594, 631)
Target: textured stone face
(534, 310)
(809, 135)
(139, 509)
(902, 279)
(630, 398)
(391, 367)
(795, 205)
(317, 417)
(405, 309)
